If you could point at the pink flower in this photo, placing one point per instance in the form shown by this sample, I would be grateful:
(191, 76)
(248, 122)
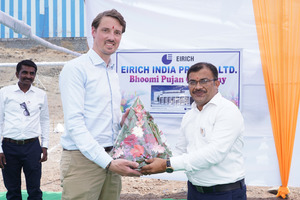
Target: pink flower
(149, 138)
(131, 140)
(137, 151)
(118, 152)
(140, 123)
(138, 108)
(140, 116)
(159, 149)
(139, 111)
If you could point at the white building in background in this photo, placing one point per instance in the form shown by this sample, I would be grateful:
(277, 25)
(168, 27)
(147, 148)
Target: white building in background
(47, 18)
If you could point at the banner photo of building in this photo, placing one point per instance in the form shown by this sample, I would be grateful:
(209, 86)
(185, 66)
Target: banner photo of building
(159, 77)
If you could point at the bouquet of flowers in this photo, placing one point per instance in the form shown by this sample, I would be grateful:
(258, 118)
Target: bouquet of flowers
(140, 137)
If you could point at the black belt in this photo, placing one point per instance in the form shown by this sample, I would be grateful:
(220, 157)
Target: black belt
(20, 142)
(221, 188)
(108, 149)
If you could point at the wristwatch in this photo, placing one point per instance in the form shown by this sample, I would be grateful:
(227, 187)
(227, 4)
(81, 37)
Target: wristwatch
(169, 168)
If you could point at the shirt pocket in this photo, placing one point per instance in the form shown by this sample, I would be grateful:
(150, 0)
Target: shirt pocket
(206, 131)
(195, 136)
(13, 106)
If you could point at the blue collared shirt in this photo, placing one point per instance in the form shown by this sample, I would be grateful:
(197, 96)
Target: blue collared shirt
(91, 99)
(14, 123)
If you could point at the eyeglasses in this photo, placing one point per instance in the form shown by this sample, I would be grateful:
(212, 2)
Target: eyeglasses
(202, 82)
(24, 106)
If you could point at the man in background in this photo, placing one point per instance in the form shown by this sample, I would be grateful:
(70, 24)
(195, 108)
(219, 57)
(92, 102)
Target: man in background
(91, 102)
(210, 143)
(24, 116)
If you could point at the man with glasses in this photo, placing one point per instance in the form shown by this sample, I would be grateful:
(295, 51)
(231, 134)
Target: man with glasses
(24, 117)
(210, 144)
(91, 100)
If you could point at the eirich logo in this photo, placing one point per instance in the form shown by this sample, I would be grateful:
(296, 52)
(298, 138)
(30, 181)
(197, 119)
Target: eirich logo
(167, 59)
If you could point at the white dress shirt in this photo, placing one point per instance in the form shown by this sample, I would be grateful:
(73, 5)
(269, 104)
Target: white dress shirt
(91, 99)
(13, 122)
(210, 144)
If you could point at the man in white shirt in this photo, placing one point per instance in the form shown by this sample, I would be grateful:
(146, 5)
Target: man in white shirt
(24, 116)
(91, 102)
(210, 143)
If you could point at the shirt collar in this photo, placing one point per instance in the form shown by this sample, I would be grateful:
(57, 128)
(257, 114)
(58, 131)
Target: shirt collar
(17, 88)
(97, 60)
(214, 101)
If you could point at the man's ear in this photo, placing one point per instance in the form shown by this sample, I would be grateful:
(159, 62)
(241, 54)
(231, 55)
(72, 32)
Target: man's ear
(217, 82)
(17, 75)
(93, 31)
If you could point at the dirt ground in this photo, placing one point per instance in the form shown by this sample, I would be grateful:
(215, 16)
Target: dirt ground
(133, 188)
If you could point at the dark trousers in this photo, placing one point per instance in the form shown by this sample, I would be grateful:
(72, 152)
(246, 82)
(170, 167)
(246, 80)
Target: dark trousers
(237, 194)
(25, 156)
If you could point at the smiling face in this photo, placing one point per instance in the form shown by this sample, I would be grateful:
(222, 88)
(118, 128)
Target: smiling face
(203, 93)
(107, 37)
(26, 76)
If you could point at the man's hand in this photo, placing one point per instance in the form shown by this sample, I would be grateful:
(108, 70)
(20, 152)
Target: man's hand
(156, 165)
(45, 155)
(124, 167)
(124, 117)
(2, 160)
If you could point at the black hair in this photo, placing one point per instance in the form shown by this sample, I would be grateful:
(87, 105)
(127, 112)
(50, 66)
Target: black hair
(198, 66)
(26, 63)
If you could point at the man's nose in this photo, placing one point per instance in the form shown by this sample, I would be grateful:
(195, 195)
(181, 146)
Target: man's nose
(111, 36)
(198, 85)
